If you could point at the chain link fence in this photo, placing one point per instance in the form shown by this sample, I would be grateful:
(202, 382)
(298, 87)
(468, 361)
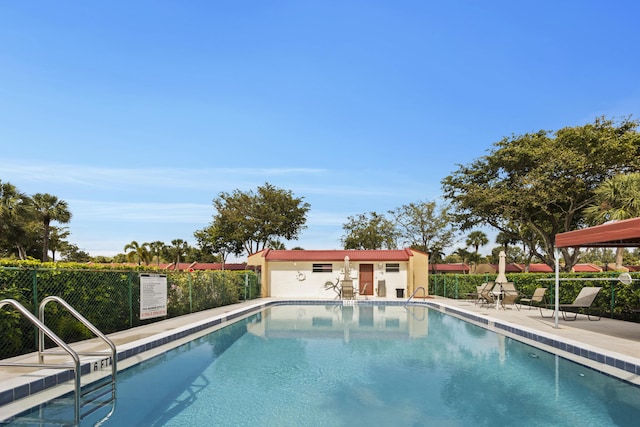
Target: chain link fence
(110, 300)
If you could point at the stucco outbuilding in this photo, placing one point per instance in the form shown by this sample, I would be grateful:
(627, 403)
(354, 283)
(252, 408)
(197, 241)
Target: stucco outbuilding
(375, 273)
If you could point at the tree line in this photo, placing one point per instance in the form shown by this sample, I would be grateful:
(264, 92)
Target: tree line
(25, 224)
(528, 187)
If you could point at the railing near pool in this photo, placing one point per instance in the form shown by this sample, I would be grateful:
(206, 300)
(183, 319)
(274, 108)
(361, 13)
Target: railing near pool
(424, 291)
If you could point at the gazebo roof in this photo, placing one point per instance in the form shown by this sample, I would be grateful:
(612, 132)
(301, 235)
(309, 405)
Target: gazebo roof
(624, 233)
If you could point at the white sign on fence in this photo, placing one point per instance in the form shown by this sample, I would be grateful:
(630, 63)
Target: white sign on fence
(153, 295)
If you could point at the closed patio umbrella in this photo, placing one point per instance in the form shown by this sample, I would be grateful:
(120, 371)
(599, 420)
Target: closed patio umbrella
(502, 268)
(502, 278)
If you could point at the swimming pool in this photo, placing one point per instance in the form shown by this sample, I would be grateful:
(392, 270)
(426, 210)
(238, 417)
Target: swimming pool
(365, 364)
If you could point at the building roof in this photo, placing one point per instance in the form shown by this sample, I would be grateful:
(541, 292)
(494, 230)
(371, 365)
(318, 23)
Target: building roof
(511, 268)
(203, 266)
(337, 255)
(613, 234)
(539, 268)
(586, 268)
(450, 267)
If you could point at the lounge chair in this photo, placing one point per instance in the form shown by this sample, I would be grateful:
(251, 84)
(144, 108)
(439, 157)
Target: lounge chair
(477, 295)
(583, 301)
(539, 296)
(509, 295)
(347, 290)
(486, 295)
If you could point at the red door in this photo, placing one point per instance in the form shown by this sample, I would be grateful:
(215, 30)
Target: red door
(366, 279)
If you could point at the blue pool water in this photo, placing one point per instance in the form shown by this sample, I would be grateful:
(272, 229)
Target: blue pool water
(299, 365)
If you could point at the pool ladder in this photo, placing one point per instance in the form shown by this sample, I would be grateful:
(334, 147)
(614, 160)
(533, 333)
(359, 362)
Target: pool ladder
(424, 291)
(95, 393)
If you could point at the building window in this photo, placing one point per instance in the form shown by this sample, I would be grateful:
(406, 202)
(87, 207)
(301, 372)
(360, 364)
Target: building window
(392, 268)
(322, 268)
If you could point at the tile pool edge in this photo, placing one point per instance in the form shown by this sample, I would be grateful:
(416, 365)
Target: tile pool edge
(29, 385)
(25, 386)
(625, 368)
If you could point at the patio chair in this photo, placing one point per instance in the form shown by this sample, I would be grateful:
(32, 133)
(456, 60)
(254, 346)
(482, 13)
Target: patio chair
(583, 301)
(477, 295)
(347, 290)
(485, 295)
(539, 296)
(509, 295)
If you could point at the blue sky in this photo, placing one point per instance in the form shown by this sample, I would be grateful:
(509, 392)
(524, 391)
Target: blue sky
(139, 113)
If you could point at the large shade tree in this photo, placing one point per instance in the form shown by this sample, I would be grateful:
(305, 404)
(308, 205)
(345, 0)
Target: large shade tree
(543, 181)
(48, 208)
(424, 226)
(252, 219)
(369, 231)
(213, 241)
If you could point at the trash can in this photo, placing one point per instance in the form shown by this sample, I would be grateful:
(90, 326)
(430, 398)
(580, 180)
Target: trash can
(399, 293)
(382, 288)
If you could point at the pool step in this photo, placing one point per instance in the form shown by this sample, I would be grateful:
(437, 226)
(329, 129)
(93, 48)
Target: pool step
(60, 411)
(97, 396)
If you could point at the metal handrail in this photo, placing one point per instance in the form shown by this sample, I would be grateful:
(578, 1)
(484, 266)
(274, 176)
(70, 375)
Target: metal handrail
(58, 341)
(85, 322)
(415, 292)
(364, 289)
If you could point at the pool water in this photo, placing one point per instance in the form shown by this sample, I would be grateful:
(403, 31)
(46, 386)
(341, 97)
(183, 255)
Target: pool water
(334, 365)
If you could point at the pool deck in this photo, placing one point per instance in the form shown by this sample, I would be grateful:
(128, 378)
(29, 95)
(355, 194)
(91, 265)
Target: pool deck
(607, 345)
(610, 334)
(610, 346)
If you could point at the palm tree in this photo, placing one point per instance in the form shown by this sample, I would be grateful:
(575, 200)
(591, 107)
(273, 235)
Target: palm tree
(156, 248)
(476, 239)
(137, 251)
(57, 240)
(616, 199)
(463, 254)
(49, 208)
(436, 255)
(178, 248)
(504, 240)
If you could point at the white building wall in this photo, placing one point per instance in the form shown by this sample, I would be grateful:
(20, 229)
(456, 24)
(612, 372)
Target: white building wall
(297, 280)
(293, 280)
(393, 280)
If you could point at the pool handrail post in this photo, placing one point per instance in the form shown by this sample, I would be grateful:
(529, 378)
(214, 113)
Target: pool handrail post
(59, 342)
(85, 323)
(415, 292)
(557, 290)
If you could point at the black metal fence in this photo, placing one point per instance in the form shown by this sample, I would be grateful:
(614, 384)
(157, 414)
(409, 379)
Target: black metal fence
(110, 300)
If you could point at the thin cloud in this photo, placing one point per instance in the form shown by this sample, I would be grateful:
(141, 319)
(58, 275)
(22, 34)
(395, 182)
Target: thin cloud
(144, 177)
(141, 212)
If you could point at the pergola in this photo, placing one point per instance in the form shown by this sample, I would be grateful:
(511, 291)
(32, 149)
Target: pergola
(616, 234)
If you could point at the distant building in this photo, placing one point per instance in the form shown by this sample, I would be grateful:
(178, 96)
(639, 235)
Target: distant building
(586, 268)
(455, 268)
(204, 266)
